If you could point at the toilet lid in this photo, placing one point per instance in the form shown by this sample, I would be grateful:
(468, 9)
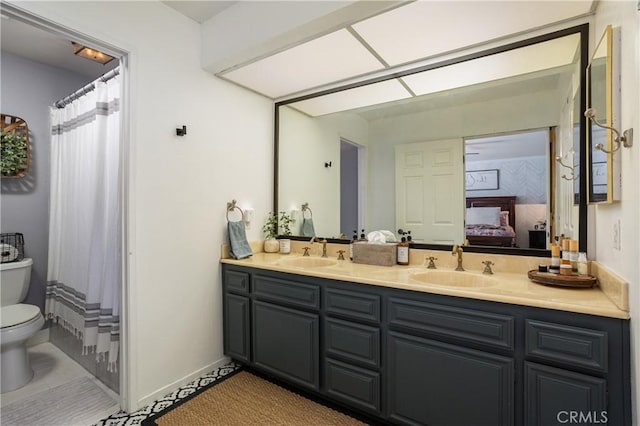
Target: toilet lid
(17, 314)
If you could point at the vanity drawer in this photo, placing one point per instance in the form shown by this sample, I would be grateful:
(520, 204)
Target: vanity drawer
(236, 282)
(462, 324)
(351, 304)
(352, 342)
(355, 386)
(566, 344)
(286, 292)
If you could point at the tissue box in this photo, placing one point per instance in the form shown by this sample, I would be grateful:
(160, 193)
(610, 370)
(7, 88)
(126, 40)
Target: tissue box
(375, 254)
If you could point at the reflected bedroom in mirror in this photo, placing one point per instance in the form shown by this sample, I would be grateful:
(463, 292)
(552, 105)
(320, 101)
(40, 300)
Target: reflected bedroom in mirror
(487, 150)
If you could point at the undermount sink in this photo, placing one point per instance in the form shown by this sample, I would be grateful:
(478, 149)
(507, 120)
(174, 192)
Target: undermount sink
(452, 279)
(307, 262)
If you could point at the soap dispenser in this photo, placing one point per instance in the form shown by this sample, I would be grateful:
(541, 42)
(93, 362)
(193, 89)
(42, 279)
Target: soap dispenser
(402, 255)
(353, 241)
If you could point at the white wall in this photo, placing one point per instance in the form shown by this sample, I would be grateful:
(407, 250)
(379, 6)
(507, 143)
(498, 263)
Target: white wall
(305, 144)
(178, 186)
(625, 262)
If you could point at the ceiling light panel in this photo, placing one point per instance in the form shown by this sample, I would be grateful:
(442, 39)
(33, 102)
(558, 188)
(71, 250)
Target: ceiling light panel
(378, 93)
(552, 54)
(334, 57)
(426, 28)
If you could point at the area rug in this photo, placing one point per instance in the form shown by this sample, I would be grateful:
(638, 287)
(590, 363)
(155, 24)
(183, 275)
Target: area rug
(246, 399)
(78, 402)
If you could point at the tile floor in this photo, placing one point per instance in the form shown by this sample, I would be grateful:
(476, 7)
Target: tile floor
(52, 368)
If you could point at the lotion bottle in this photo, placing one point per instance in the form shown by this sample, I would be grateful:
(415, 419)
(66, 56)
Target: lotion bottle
(555, 259)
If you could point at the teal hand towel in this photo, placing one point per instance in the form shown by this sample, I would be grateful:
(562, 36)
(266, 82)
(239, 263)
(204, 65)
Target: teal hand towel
(307, 228)
(238, 244)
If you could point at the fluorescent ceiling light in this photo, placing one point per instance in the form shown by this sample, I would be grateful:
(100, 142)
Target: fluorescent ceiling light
(538, 57)
(385, 91)
(334, 57)
(426, 28)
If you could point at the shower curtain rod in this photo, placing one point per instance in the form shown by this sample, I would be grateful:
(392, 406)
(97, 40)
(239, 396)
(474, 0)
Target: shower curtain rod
(86, 89)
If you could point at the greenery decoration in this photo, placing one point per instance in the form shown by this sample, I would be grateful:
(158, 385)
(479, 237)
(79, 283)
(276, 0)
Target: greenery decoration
(275, 222)
(13, 154)
(270, 227)
(285, 223)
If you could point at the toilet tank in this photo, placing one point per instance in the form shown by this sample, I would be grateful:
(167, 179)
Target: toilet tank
(14, 281)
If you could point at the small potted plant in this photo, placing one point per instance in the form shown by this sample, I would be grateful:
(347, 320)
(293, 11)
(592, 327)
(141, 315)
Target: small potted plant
(270, 230)
(285, 227)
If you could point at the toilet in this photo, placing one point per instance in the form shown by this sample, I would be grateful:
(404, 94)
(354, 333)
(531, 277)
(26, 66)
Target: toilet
(19, 322)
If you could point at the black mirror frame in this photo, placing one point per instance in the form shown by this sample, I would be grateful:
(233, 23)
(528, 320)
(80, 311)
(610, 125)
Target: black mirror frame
(583, 30)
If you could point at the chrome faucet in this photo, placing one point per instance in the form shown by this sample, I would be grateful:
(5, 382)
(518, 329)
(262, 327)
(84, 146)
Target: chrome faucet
(323, 241)
(457, 250)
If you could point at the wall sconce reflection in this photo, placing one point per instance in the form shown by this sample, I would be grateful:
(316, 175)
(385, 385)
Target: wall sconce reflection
(572, 175)
(626, 138)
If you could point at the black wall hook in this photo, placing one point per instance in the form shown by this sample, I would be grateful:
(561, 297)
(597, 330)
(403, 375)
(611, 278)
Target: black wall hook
(327, 165)
(181, 132)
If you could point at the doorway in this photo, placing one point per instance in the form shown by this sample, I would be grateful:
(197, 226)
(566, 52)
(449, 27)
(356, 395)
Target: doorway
(65, 35)
(350, 182)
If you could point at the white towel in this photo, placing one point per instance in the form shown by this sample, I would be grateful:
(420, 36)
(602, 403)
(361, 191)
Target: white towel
(9, 253)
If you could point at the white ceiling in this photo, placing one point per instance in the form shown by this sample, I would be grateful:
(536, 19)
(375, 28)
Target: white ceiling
(44, 47)
(404, 34)
(513, 145)
(200, 11)
(41, 46)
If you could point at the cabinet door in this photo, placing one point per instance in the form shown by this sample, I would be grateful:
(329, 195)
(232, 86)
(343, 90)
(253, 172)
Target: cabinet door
(554, 396)
(286, 343)
(435, 383)
(236, 327)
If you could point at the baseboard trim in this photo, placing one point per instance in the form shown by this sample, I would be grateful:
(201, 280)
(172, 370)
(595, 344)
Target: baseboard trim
(42, 336)
(147, 399)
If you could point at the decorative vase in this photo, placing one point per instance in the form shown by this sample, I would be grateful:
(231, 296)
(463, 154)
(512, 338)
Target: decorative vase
(285, 246)
(271, 245)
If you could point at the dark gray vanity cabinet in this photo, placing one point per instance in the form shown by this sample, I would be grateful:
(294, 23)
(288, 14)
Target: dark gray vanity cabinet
(435, 383)
(285, 324)
(237, 332)
(558, 394)
(407, 357)
(554, 396)
(352, 348)
(432, 370)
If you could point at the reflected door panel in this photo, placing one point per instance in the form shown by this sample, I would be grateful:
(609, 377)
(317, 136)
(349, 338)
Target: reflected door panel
(429, 178)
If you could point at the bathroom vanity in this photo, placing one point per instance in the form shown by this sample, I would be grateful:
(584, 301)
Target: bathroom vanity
(386, 343)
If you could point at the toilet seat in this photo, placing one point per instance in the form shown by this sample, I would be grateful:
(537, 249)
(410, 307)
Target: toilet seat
(20, 313)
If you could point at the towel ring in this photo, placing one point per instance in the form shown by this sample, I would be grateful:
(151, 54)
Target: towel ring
(305, 207)
(231, 207)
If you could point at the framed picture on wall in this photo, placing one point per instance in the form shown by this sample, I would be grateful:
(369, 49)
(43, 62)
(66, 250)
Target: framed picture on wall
(481, 180)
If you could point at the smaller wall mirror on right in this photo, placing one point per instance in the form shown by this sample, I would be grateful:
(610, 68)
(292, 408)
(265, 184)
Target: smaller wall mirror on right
(603, 169)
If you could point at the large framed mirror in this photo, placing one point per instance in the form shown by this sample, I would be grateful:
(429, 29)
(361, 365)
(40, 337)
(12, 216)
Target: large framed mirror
(601, 185)
(433, 149)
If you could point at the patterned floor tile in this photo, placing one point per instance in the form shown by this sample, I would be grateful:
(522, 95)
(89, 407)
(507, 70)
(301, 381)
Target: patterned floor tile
(124, 419)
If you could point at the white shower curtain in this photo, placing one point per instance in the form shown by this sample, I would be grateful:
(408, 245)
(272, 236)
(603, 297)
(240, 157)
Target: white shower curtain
(84, 275)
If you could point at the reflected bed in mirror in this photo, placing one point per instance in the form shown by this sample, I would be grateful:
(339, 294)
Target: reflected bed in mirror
(397, 145)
